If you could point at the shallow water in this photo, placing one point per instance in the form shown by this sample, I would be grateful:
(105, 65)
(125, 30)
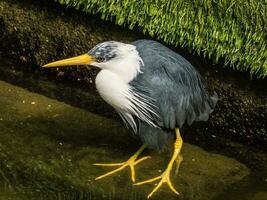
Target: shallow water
(253, 187)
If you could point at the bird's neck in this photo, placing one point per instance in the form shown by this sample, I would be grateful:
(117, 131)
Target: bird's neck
(113, 86)
(113, 89)
(112, 82)
(126, 68)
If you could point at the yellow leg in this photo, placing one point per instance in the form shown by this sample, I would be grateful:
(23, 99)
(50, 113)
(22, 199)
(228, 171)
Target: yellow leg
(165, 176)
(131, 163)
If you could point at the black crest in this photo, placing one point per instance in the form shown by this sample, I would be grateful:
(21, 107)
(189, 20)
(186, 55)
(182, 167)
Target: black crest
(104, 51)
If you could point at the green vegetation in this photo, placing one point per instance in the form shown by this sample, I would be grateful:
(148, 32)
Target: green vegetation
(233, 31)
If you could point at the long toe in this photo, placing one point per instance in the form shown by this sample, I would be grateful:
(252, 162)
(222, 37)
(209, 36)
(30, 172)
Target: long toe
(129, 163)
(164, 178)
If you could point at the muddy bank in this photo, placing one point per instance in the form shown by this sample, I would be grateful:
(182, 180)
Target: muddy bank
(32, 34)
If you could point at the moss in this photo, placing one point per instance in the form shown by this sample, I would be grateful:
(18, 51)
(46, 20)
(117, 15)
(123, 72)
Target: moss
(47, 149)
(233, 31)
(35, 34)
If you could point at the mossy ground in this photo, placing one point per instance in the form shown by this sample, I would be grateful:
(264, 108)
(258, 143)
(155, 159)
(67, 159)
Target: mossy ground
(47, 149)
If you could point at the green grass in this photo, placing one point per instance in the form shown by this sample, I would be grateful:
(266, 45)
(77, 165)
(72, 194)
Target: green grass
(230, 30)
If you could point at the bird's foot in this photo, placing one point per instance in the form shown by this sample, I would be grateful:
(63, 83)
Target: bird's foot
(131, 162)
(164, 178)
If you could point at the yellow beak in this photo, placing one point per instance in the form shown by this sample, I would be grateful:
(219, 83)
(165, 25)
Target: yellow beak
(84, 59)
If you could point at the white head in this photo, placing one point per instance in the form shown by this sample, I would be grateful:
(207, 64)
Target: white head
(120, 58)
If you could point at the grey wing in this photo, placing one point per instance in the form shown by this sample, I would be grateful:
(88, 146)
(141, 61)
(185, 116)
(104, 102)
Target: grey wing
(176, 87)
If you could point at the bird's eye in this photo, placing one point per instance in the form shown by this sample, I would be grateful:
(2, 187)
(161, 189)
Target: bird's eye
(100, 59)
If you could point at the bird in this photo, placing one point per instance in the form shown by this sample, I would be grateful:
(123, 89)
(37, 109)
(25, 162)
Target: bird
(155, 90)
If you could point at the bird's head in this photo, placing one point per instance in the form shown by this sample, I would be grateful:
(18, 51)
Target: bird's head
(104, 55)
(122, 59)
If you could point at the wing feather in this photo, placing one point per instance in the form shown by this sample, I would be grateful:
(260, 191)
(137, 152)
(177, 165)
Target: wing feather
(173, 83)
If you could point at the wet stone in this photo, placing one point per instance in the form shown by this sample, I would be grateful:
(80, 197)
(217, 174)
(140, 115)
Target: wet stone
(49, 155)
(260, 196)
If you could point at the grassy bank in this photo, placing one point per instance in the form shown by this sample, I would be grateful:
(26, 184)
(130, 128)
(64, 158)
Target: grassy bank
(229, 31)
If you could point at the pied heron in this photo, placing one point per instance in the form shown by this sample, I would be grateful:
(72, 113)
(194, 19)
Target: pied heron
(154, 90)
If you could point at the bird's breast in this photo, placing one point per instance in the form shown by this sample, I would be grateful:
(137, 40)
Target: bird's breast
(113, 90)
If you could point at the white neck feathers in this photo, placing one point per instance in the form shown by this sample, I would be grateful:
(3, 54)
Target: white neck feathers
(112, 83)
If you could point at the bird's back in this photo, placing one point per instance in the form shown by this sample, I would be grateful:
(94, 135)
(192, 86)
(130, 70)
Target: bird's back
(174, 84)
